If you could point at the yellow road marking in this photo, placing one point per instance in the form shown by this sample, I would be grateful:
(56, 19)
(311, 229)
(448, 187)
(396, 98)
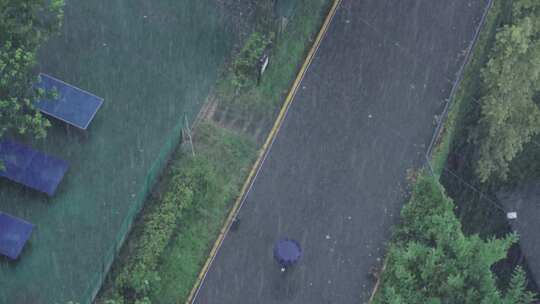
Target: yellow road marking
(263, 151)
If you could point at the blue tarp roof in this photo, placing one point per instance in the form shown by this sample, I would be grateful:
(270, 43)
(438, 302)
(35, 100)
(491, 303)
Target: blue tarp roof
(72, 105)
(30, 167)
(14, 233)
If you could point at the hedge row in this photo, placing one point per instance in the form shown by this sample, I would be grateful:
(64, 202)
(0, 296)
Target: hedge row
(137, 277)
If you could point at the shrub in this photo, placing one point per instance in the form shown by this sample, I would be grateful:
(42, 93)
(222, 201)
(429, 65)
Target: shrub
(245, 65)
(188, 184)
(432, 261)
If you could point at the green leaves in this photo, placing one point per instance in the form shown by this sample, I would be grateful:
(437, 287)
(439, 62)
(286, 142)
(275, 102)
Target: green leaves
(432, 261)
(517, 294)
(190, 184)
(509, 116)
(24, 26)
(245, 64)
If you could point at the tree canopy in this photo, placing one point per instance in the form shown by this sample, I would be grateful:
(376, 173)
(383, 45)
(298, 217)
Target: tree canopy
(511, 79)
(432, 261)
(24, 26)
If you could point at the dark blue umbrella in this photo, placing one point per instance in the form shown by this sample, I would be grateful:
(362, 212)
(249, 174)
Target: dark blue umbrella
(287, 252)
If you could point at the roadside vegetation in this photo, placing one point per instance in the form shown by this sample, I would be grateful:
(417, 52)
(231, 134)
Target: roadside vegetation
(509, 113)
(170, 242)
(247, 100)
(495, 118)
(467, 93)
(491, 136)
(432, 261)
(466, 253)
(454, 160)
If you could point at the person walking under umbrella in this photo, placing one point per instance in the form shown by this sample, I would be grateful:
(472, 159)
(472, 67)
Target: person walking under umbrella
(287, 252)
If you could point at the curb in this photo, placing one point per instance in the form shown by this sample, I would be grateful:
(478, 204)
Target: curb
(263, 152)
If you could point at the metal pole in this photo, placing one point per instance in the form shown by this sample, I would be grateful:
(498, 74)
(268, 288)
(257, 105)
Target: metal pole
(188, 131)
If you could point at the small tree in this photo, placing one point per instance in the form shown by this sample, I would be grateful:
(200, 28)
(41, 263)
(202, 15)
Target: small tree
(24, 26)
(509, 116)
(432, 261)
(517, 294)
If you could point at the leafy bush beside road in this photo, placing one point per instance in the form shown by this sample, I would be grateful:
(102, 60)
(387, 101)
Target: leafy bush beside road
(198, 194)
(431, 261)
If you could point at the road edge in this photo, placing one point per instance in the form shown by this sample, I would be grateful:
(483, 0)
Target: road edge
(263, 151)
(442, 122)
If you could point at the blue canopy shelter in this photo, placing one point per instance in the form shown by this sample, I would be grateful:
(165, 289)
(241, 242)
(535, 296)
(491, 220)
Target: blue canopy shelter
(71, 104)
(14, 232)
(31, 168)
(287, 252)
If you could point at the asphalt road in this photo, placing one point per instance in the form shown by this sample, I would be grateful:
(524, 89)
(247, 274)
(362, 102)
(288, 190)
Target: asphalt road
(334, 178)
